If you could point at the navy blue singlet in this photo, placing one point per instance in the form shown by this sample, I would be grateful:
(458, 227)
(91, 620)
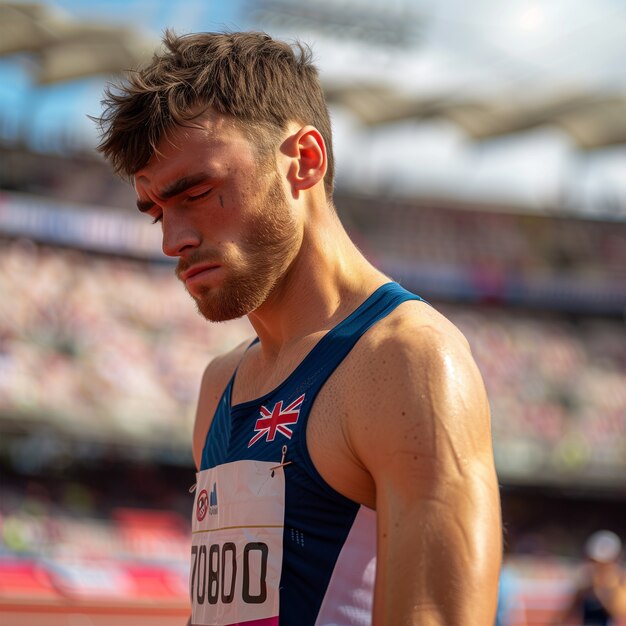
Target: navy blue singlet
(327, 567)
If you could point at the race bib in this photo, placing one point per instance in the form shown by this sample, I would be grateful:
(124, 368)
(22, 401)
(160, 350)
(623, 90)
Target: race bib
(237, 545)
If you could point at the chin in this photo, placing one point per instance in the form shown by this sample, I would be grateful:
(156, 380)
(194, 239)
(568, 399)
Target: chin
(217, 312)
(218, 308)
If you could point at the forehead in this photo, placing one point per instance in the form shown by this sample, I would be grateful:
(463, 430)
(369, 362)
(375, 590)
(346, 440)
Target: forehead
(212, 142)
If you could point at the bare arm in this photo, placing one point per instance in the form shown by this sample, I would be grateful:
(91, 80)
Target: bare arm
(610, 587)
(426, 442)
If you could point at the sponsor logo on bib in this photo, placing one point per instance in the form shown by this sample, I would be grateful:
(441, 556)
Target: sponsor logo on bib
(202, 505)
(213, 500)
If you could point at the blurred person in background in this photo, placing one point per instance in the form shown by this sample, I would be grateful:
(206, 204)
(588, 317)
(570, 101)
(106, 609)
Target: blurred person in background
(345, 466)
(600, 596)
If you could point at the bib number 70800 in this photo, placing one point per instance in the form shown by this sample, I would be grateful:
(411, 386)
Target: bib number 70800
(214, 573)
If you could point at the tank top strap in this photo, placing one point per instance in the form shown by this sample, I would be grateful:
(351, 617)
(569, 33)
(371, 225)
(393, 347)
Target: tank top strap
(332, 349)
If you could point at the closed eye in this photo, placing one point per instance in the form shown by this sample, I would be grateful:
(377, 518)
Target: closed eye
(203, 194)
(190, 198)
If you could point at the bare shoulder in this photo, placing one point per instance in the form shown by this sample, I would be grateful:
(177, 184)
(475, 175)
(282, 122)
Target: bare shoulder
(214, 380)
(414, 344)
(418, 396)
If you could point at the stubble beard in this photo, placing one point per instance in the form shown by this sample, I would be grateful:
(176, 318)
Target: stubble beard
(266, 250)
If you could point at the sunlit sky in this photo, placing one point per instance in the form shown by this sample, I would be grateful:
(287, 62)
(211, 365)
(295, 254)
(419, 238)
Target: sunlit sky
(476, 48)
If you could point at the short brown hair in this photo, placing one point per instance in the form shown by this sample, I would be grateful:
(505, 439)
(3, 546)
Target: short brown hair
(259, 81)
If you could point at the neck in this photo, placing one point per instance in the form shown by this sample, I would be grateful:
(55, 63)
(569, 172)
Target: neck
(327, 280)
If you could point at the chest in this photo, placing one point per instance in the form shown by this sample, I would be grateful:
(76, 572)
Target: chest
(309, 430)
(301, 424)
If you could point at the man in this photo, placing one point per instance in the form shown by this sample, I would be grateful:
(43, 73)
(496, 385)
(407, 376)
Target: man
(345, 465)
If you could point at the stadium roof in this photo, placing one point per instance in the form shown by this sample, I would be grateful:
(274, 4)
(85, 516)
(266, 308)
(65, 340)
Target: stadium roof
(591, 119)
(64, 48)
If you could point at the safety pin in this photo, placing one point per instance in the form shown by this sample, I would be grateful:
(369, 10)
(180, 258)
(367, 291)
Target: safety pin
(283, 463)
(193, 487)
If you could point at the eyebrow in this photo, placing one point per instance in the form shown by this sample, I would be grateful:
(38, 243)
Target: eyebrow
(173, 189)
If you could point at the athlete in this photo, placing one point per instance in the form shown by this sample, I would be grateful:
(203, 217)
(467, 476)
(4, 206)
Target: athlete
(345, 467)
(600, 595)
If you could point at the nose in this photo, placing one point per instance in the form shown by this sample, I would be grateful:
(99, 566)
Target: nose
(179, 237)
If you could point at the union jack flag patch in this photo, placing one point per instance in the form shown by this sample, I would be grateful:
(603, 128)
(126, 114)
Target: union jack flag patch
(277, 420)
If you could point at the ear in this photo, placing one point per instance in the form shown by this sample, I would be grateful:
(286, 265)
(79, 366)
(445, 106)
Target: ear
(307, 151)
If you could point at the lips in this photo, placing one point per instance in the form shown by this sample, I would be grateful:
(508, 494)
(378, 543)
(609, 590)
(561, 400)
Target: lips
(195, 270)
